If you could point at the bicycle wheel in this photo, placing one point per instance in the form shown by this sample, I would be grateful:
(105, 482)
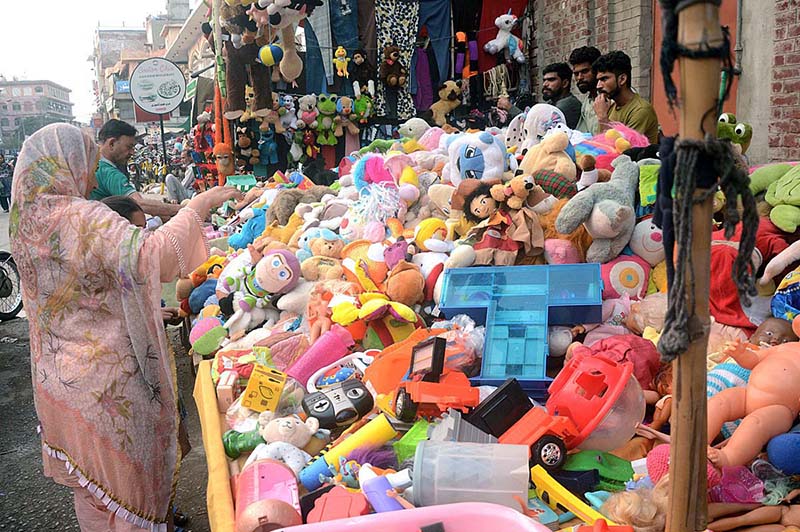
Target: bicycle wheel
(10, 304)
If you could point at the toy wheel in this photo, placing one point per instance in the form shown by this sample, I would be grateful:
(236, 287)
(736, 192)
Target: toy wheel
(548, 452)
(405, 408)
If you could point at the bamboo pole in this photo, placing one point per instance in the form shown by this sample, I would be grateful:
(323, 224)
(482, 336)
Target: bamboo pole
(699, 84)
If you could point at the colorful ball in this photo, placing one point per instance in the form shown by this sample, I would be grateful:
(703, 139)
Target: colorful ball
(270, 54)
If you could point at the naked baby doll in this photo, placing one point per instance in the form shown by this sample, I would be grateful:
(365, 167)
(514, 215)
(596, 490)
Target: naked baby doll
(768, 405)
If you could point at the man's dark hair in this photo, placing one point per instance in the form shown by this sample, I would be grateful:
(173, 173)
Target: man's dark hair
(123, 205)
(584, 54)
(562, 69)
(616, 62)
(114, 129)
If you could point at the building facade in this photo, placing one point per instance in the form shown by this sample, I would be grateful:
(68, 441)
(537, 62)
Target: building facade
(26, 106)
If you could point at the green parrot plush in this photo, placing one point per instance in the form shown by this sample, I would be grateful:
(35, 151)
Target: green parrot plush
(737, 132)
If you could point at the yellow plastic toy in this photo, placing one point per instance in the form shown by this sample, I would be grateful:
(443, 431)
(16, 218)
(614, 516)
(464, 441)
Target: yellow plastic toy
(555, 495)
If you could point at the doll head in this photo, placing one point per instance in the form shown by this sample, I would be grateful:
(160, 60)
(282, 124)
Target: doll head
(479, 204)
(662, 382)
(645, 510)
(773, 331)
(278, 272)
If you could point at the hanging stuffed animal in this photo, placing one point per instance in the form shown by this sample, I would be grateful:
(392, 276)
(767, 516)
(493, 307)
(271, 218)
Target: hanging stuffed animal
(297, 150)
(505, 41)
(340, 61)
(346, 116)
(393, 73)
(363, 106)
(307, 111)
(268, 148)
(289, 116)
(223, 155)
(246, 153)
(326, 105)
(310, 144)
(361, 70)
(273, 116)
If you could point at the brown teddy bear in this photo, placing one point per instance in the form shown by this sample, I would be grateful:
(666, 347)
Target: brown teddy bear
(393, 73)
(515, 192)
(287, 200)
(449, 99)
(326, 263)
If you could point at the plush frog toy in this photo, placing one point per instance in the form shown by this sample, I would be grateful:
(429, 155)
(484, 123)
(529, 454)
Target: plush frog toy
(326, 105)
(737, 132)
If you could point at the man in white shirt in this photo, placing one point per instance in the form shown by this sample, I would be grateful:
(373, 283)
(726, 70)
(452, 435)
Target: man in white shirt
(178, 191)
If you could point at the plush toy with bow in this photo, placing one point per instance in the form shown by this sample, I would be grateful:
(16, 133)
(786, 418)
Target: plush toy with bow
(393, 72)
(506, 42)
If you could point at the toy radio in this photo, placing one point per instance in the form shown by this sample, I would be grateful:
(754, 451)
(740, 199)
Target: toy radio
(339, 405)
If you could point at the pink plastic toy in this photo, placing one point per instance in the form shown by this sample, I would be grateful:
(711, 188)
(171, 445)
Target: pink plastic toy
(330, 347)
(461, 517)
(267, 497)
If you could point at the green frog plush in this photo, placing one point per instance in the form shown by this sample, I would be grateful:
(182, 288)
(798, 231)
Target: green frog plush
(326, 121)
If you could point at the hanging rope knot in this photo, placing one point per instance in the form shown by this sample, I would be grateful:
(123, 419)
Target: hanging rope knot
(699, 168)
(671, 50)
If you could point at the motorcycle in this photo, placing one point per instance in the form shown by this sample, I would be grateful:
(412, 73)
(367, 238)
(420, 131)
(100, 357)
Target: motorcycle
(10, 287)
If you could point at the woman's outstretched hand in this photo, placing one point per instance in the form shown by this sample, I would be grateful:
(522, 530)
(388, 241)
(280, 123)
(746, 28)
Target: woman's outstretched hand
(212, 198)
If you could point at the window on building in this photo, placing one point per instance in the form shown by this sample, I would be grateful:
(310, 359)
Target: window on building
(16, 121)
(39, 90)
(4, 122)
(5, 107)
(16, 107)
(27, 91)
(16, 92)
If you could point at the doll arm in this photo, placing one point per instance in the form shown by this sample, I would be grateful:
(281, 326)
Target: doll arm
(745, 354)
(780, 263)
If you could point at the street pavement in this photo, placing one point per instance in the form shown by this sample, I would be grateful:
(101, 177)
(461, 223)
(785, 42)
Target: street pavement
(28, 500)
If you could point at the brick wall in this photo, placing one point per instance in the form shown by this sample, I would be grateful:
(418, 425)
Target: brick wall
(562, 25)
(784, 126)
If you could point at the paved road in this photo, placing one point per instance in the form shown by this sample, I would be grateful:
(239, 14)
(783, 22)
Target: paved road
(28, 500)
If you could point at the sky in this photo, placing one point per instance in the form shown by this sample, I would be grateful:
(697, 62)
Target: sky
(52, 39)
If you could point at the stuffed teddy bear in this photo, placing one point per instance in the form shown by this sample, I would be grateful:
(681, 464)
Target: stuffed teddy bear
(273, 116)
(285, 438)
(405, 284)
(606, 210)
(393, 73)
(325, 261)
(449, 99)
(326, 106)
(550, 154)
(307, 112)
(515, 192)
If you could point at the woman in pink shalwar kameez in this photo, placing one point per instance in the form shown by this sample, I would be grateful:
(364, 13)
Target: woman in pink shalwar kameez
(104, 384)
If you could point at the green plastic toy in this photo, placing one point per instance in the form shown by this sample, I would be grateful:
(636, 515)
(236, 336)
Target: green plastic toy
(236, 443)
(614, 471)
(405, 447)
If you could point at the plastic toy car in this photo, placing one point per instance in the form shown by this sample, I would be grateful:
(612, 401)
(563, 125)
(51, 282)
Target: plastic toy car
(544, 435)
(430, 389)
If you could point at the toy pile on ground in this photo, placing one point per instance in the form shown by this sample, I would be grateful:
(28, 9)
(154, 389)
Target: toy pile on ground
(470, 318)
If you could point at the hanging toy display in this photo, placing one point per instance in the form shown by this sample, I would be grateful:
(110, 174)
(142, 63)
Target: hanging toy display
(346, 115)
(326, 105)
(393, 73)
(340, 61)
(505, 41)
(361, 71)
(363, 105)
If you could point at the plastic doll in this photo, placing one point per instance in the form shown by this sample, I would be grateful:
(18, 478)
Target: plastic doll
(645, 510)
(755, 518)
(768, 405)
(663, 382)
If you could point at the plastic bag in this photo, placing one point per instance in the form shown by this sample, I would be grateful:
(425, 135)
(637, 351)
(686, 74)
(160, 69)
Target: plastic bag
(464, 343)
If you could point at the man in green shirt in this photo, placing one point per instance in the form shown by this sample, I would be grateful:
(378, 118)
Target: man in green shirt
(581, 60)
(616, 101)
(117, 141)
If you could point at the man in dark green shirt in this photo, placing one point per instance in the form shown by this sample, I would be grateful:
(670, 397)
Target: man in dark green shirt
(117, 141)
(557, 90)
(616, 101)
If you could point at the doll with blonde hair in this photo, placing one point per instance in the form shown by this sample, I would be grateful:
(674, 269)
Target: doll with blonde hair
(643, 509)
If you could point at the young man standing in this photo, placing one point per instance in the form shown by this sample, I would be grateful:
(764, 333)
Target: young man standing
(117, 140)
(556, 85)
(581, 60)
(616, 101)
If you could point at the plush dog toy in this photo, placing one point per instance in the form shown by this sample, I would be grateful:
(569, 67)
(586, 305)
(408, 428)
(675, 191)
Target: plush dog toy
(515, 192)
(449, 99)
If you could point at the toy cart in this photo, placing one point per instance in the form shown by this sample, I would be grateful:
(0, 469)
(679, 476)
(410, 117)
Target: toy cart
(431, 389)
(544, 435)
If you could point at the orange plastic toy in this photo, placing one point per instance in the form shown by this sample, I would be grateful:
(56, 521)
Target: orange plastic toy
(544, 435)
(431, 389)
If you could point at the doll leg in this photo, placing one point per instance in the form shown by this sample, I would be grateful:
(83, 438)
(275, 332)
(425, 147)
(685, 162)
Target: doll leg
(764, 515)
(756, 429)
(717, 510)
(727, 405)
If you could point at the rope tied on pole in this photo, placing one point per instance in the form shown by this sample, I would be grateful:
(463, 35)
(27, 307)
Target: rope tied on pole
(701, 165)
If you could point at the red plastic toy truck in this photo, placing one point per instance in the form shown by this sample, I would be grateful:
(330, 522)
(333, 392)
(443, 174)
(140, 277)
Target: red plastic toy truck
(431, 389)
(544, 435)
